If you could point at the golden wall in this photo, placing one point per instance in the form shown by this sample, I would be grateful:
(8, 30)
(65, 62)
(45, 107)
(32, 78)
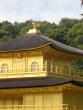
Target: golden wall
(47, 98)
(73, 99)
(19, 63)
(44, 100)
(41, 62)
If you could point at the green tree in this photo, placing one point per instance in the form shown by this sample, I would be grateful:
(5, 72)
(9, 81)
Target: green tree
(7, 31)
(76, 35)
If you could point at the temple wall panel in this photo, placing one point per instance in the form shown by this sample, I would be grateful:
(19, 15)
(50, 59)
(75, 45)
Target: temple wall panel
(50, 101)
(74, 99)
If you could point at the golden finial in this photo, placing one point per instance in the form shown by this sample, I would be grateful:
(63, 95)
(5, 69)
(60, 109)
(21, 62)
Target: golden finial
(34, 25)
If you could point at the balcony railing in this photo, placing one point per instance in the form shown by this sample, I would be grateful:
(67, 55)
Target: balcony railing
(44, 70)
(34, 107)
(43, 107)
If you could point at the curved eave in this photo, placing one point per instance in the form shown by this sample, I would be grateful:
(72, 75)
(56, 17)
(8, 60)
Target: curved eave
(66, 51)
(42, 46)
(65, 48)
(36, 41)
(35, 82)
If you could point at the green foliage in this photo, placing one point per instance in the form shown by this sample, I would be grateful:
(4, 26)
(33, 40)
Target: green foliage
(77, 64)
(76, 35)
(68, 31)
(48, 29)
(67, 23)
(7, 31)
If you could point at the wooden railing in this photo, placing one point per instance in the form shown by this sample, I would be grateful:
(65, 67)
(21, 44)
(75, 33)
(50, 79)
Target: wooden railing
(44, 70)
(44, 107)
(34, 107)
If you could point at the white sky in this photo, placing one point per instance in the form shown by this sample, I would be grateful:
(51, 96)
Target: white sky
(50, 10)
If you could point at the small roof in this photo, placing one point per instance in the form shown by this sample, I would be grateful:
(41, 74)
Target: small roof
(35, 41)
(36, 82)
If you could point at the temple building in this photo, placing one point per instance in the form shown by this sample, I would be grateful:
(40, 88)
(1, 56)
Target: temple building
(38, 73)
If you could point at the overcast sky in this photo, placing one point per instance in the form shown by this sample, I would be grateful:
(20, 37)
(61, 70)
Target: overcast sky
(50, 10)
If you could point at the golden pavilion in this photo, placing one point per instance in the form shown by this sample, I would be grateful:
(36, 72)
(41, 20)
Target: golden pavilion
(38, 73)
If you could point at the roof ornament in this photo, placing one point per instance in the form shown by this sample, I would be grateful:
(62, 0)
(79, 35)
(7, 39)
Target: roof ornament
(34, 30)
(34, 25)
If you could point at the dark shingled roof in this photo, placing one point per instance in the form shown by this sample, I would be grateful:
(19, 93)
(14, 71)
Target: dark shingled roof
(34, 41)
(29, 41)
(35, 82)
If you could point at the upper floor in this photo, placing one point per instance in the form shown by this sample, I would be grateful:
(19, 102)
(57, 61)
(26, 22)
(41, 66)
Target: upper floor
(39, 63)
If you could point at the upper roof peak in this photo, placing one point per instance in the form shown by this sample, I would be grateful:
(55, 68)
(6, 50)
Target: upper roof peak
(34, 29)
